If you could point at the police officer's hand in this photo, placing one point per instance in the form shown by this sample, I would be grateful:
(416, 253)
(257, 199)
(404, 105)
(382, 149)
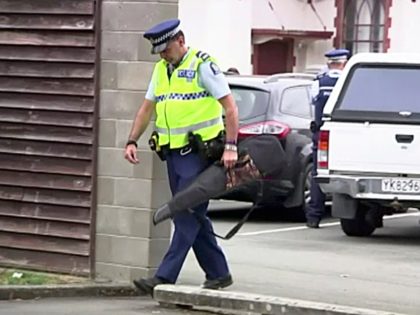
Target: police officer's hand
(131, 154)
(229, 158)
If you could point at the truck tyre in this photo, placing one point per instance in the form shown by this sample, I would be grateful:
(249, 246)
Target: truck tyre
(358, 226)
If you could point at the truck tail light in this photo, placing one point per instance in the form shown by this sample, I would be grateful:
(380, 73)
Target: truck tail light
(323, 145)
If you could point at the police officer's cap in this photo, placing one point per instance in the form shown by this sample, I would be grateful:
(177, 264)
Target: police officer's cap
(160, 34)
(337, 55)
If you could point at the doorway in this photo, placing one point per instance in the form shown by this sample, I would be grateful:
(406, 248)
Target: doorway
(274, 56)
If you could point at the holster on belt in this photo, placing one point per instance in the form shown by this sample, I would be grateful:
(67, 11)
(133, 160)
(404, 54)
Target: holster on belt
(209, 150)
(154, 146)
(314, 127)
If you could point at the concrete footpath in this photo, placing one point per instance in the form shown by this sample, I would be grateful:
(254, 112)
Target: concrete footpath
(288, 272)
(178, 299)
(246, 302)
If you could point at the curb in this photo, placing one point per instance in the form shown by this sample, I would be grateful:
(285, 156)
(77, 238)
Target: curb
(26, 292)
(244, 302)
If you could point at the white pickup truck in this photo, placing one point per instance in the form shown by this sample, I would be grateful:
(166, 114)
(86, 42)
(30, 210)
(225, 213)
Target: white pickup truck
(369, 144)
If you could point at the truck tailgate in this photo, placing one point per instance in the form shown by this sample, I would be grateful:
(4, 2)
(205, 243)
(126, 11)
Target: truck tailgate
(365, 147)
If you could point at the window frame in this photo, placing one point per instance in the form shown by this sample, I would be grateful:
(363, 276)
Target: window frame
(340, 41)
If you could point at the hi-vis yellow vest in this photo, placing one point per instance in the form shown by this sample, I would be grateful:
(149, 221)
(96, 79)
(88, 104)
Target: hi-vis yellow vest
(182, 105)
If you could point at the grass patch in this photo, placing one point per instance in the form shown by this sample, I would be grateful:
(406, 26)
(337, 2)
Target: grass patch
(26, 277)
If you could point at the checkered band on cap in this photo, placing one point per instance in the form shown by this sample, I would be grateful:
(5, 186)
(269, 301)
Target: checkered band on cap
(160, 34)
(337, 54)
(165, 37)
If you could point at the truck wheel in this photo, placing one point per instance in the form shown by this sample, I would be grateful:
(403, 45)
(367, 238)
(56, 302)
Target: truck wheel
(358, 226)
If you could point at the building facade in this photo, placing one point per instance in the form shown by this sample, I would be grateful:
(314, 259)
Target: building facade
(270, 36)
(72, 76)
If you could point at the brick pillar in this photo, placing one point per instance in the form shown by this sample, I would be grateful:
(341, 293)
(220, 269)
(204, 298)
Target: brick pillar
(127, 244)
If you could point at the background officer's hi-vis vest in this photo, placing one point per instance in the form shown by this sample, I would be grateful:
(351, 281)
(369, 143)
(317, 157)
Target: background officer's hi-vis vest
(182, 105)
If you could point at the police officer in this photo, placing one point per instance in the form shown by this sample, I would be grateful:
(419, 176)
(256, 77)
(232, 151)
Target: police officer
(187, 91)
(321, 90)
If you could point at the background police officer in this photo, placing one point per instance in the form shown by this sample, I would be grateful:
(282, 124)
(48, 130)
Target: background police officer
(321, 90)
(186, 91)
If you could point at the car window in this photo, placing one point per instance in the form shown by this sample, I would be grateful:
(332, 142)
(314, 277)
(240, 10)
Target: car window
(250, 102)
(382, 89)
(295, 101)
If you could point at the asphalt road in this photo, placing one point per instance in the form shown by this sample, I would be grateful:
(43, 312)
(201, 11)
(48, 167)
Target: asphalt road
(273, 257)
(279, 258)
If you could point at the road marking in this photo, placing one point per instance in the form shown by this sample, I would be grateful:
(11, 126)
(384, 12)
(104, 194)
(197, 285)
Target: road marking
(304, 227)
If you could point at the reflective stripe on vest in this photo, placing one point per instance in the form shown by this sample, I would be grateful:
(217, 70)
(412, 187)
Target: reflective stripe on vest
(184, 130)
(182, 105)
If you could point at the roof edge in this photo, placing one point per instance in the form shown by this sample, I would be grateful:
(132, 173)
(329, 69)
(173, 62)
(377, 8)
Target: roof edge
(292, 33)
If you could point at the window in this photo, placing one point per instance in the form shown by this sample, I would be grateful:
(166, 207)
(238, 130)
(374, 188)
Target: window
(251, 102)
(295, 101)
(382, 89)
(363, 25)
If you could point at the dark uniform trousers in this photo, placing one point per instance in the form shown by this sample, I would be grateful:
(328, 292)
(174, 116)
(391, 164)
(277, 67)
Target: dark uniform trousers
(189, 232)
(316, 206)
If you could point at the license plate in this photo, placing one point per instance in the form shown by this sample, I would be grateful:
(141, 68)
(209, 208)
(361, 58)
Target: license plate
(399, 185)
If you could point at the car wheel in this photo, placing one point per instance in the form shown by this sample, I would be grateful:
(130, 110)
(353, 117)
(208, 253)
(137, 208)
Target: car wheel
(358, 226)
(299, 213)
(307, 185)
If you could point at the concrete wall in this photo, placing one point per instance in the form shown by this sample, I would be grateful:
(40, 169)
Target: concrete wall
(127, 244)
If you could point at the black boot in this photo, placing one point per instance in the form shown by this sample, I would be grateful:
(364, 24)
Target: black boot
(146, 285)
(312, 223)
(218, 283)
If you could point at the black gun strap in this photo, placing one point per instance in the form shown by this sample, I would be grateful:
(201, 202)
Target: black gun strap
(237, 227)
(202, 220)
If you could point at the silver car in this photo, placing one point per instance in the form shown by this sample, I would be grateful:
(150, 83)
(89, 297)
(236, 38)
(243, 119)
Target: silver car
(279, 105)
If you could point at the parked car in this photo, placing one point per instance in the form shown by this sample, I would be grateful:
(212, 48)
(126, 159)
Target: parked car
(316, 69)
(279, 105)
(368, 156)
